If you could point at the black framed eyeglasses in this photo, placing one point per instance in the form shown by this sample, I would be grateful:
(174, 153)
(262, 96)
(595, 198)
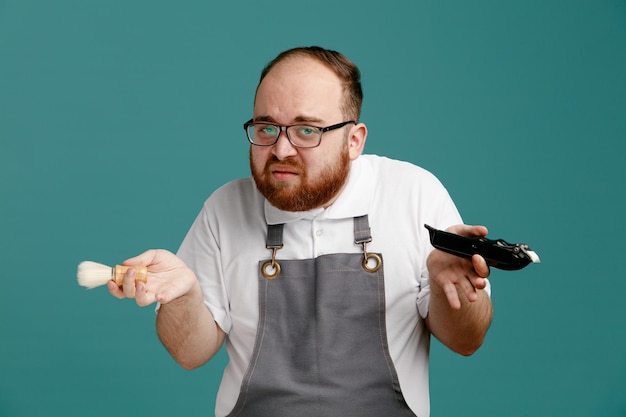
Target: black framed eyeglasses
(300, 136)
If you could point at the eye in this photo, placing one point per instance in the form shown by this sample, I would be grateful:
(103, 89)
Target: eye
(306, 131)
(267, 130)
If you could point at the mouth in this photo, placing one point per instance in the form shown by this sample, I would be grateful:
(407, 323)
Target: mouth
(283, 173)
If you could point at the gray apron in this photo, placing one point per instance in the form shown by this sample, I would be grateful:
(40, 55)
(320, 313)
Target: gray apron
(321, 345)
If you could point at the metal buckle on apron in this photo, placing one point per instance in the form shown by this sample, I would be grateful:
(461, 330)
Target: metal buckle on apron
(370, 256)
(362, 236)
(271, 265)
(271, 269)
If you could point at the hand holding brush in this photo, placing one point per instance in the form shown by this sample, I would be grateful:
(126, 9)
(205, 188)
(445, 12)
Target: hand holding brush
(92, 274)
(154, 276)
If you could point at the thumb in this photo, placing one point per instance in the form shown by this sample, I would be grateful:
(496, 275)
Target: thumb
(468, 230)
(147, 258)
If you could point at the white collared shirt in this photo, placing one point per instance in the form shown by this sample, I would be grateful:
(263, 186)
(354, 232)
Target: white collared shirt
(227, 241)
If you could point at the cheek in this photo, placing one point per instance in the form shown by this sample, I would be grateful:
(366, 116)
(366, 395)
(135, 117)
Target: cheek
(309, 162)
(325, 157)
(258, 158)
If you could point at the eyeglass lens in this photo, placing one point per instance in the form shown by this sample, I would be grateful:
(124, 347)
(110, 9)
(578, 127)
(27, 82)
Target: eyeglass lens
(300, 135)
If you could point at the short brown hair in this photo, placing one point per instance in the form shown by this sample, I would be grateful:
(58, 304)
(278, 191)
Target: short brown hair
(345, 69)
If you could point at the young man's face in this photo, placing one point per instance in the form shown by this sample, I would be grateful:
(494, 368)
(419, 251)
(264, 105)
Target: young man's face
(301, 90)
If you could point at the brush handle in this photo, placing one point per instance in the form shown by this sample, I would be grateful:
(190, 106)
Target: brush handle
(141, 273)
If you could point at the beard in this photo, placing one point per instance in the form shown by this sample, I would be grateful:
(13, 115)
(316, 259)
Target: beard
(311, 193)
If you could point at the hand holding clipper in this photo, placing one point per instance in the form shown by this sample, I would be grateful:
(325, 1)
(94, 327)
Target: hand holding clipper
(497, 253)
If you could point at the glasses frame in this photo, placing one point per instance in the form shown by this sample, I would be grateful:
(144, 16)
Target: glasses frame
(282, 129)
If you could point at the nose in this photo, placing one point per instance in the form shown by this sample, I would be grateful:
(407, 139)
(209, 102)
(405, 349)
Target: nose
(283, 149)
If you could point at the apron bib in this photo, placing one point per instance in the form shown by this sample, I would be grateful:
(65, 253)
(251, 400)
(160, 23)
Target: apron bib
(321, 345)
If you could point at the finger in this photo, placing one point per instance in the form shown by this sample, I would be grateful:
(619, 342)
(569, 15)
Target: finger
(480, 283)
(450, 291)
(480, 266)
(146, 258)
(466, 287)
(143, 297)
(115, 290)
(164, 297)
(468, 230)
(479, 230)
(128, 285)
(168, 294)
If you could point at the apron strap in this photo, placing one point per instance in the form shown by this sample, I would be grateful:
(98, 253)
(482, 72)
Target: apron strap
(274, 242)
(362, 236)
(362, 232)
(274, 236)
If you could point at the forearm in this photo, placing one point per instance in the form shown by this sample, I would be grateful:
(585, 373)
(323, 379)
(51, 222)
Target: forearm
(188, 331)
(462, 330)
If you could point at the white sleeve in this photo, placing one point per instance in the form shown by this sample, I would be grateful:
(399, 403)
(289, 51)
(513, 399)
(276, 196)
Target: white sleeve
(200, 251)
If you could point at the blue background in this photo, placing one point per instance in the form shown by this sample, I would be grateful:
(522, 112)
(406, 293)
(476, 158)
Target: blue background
(118, 118)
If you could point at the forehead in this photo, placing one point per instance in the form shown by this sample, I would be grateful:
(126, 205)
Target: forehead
(299, 87)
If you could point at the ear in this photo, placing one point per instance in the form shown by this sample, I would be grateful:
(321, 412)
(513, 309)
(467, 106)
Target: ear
(356, 140)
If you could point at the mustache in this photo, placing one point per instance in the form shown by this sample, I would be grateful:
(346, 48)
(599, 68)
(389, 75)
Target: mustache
(291, 162)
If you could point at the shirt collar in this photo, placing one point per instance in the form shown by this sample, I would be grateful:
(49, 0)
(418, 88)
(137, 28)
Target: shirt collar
(353, 201)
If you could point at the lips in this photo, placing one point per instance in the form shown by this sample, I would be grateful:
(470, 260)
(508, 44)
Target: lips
(283, 172)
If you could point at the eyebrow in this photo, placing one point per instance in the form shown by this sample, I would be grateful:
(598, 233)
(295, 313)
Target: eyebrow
(297, 119)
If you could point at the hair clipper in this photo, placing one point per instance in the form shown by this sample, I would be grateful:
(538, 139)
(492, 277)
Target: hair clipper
(498, 253)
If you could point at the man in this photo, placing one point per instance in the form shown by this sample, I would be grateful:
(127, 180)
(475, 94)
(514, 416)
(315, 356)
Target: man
(317, 272)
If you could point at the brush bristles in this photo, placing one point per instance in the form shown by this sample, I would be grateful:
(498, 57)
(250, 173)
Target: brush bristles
(92, 274)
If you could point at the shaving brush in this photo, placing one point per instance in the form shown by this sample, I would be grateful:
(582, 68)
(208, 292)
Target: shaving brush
(92, 274)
